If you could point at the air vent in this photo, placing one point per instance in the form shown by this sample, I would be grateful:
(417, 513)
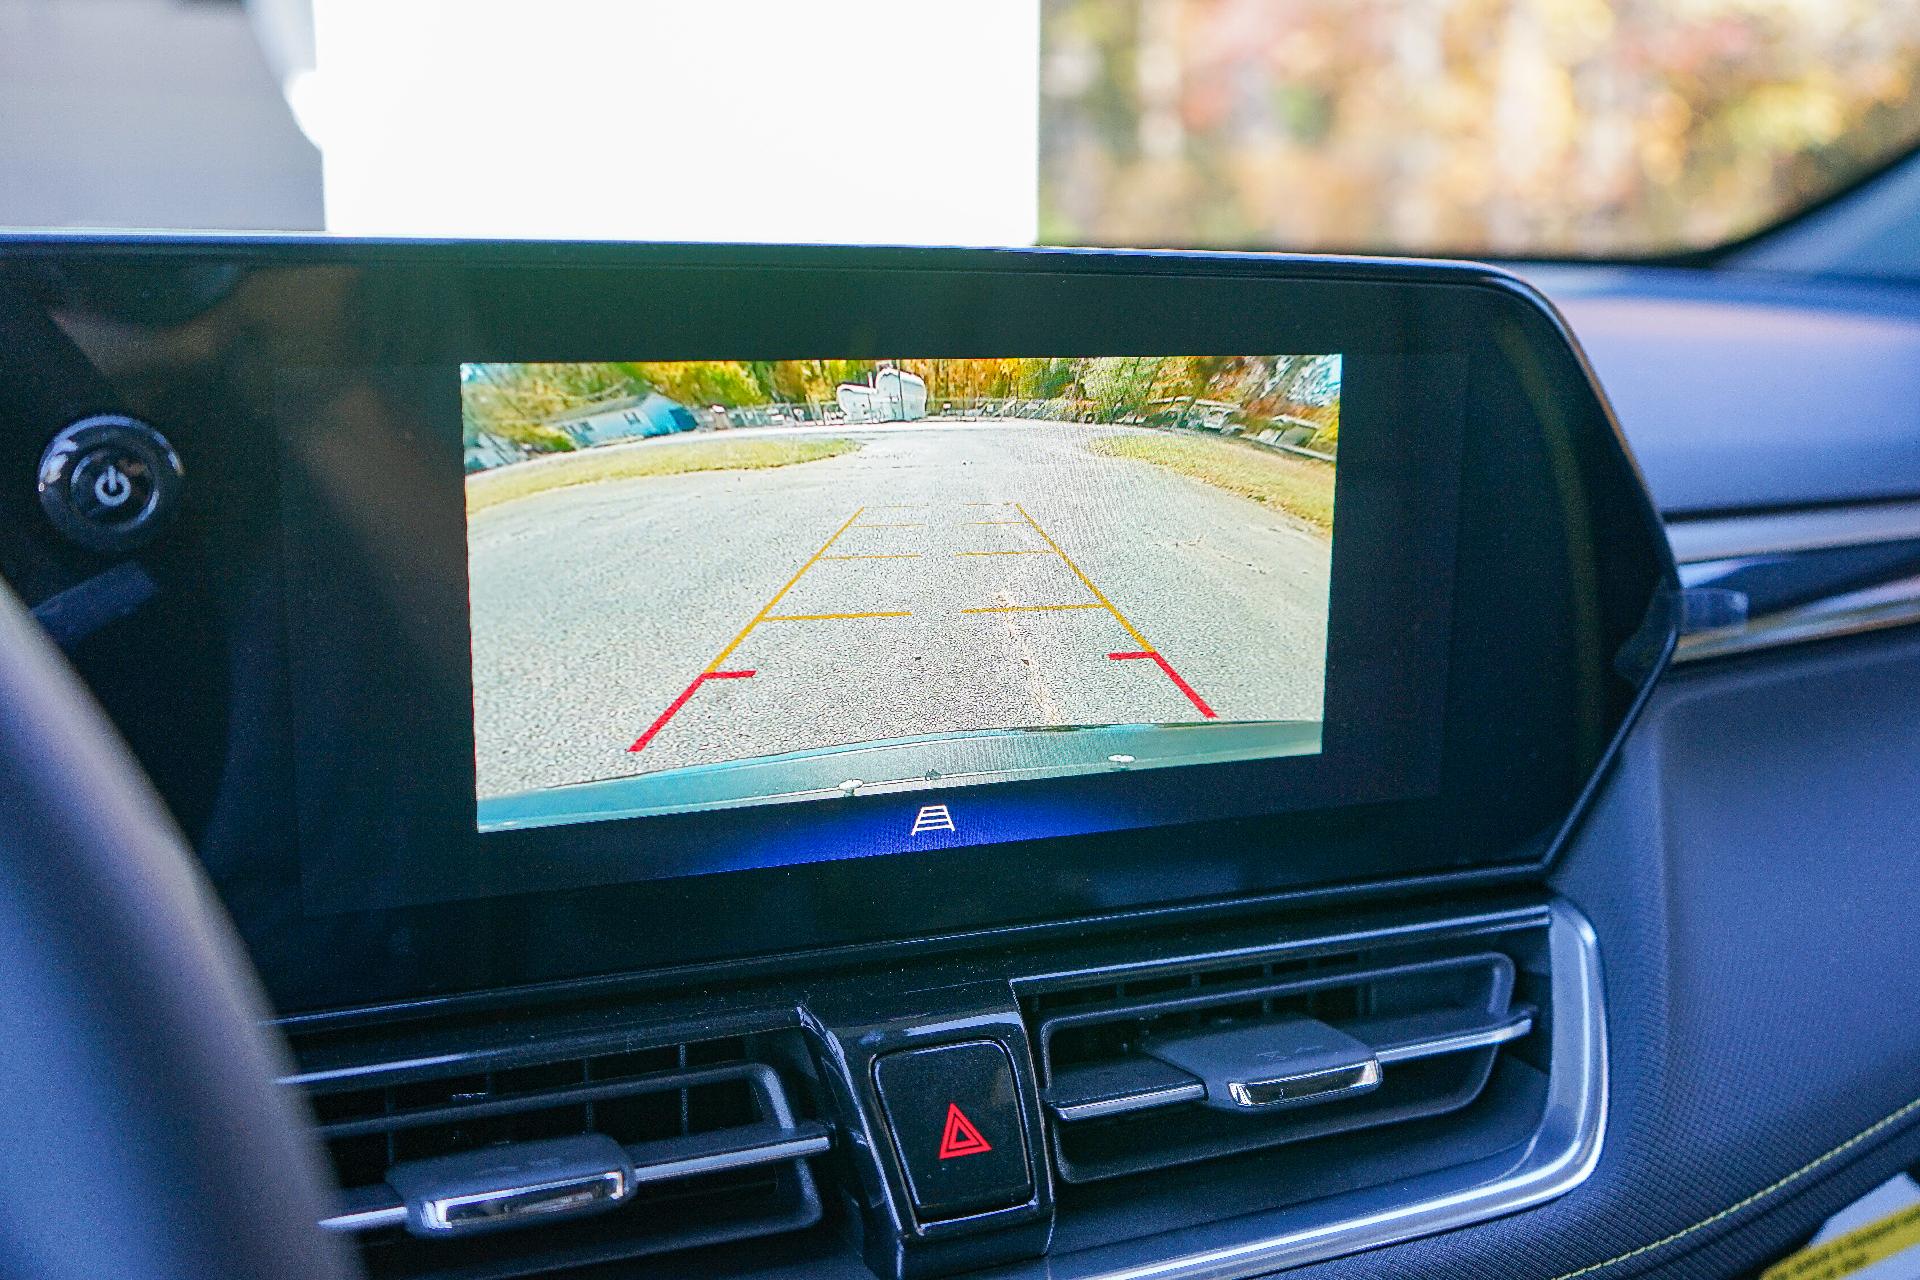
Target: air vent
(1171, 1068)
(588, 1158)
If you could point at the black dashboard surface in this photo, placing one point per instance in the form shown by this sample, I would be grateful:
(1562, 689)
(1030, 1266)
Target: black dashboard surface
(1744, 392)
(1749, 871)
(1750, 865)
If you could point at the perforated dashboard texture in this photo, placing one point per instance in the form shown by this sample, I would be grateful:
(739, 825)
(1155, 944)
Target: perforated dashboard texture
(1753, 874)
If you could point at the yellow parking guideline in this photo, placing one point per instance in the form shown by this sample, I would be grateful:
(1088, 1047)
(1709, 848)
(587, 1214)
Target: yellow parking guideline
(1033, 608)
(1086, 581)
(767, 608)
(833, 617)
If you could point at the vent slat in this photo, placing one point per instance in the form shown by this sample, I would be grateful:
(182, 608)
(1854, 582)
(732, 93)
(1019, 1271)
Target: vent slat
(1434, 1023)
(488, 1104)
(710, 1126)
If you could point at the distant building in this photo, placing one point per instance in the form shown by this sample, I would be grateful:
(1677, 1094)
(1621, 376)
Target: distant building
(891, 395)
(650, 415)
(629, 418)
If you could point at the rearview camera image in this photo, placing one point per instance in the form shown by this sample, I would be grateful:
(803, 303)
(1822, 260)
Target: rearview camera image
(703, 584)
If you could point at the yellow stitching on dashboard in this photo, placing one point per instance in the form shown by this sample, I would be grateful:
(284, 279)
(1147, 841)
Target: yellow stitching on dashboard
(1858, 1138)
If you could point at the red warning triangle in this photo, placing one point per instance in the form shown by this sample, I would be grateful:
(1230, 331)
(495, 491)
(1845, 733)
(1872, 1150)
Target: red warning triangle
(960, 1138)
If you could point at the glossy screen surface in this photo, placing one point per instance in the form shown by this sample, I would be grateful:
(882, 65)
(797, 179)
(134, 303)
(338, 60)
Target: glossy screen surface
(699, 585)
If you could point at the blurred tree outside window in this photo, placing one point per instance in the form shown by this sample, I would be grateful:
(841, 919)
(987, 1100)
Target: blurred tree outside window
(1548, 127)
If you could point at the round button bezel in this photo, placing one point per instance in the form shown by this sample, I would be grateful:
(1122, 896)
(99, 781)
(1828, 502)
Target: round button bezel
(128, 436)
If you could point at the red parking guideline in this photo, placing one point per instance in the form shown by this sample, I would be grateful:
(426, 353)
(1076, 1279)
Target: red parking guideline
(1182, 685)
(681, 701)
(713, 671)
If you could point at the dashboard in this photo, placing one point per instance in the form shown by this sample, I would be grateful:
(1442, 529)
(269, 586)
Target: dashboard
(829, 762)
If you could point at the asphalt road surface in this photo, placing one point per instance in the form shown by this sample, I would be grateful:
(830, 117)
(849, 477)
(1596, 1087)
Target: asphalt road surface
(944, 577)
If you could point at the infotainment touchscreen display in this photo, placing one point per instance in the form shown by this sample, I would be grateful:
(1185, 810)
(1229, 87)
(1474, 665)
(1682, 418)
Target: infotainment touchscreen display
(698, 585)
(737, 609)
(638, 621)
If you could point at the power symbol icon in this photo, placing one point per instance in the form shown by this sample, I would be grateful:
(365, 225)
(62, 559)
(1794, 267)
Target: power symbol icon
(109, 484)
(111, 488)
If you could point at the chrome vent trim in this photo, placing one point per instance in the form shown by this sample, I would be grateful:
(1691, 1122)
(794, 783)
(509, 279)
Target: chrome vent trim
(1697, 539)
(1287, 1050)
(1514, 1025)
(1517, 1026)
(1561, 1154)
(1796, 577)
(1128, 1103)
(1851, 613)
(372, 1208)
(709, 1124)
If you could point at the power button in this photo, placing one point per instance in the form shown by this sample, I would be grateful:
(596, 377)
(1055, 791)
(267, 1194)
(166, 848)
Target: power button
(109, 483)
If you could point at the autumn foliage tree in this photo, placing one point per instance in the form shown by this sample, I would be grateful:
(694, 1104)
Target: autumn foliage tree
(527, 403)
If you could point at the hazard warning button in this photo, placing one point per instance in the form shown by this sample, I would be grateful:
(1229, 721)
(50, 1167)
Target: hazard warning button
(956, 1122)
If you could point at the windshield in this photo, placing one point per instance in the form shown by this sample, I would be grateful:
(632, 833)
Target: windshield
(1489, 127)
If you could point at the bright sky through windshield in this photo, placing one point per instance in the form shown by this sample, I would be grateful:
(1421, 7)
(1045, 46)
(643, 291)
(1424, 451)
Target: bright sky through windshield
(860, 120)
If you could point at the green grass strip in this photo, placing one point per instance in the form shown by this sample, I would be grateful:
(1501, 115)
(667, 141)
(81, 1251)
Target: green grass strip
(1300, 487)
(627, 462)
